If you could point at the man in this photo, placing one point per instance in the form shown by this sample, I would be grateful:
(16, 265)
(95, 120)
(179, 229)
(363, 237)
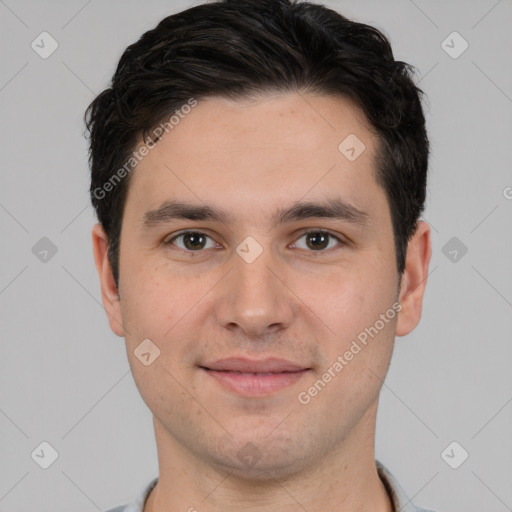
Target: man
(258, 170)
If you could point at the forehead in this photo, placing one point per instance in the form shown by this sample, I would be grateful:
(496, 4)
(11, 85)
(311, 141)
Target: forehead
(277, 149)
(288, 121)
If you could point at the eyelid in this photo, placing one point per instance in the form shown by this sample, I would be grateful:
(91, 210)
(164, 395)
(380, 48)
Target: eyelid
(170, 240)
(341, 241)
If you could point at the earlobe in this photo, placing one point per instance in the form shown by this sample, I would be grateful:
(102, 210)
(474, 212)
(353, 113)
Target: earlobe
(414, 279)
(109, 292)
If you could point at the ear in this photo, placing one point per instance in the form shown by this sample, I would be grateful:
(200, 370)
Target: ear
(109, 293)
(414, 279)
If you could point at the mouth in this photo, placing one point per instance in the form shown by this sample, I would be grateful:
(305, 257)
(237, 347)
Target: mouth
(254, 378)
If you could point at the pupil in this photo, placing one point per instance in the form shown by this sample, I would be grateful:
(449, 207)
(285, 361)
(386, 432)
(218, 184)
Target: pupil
(193, 240)
(318, 240)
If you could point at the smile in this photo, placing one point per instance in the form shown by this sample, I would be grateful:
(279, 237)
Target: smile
(255, 384)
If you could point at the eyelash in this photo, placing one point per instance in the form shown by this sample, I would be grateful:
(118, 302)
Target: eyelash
(341, 242)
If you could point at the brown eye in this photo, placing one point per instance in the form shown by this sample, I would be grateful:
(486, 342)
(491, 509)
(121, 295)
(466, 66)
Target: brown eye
(318, 240)
(192, 241)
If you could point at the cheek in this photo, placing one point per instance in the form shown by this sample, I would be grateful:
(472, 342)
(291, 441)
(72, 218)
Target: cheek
(159, 304)
(155, 308)
(142, 300)
(150, 305)
(346, 301)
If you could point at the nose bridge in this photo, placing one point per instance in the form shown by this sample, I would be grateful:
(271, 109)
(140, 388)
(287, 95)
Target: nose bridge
(255, 281)
(253, 298)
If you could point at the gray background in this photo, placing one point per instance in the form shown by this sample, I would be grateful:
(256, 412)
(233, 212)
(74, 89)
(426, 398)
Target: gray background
(64, 377)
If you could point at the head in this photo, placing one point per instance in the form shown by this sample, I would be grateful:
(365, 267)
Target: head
(240, 49)
(248, 112)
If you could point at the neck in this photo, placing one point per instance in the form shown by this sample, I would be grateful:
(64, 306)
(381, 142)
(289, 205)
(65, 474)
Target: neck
(345, 479)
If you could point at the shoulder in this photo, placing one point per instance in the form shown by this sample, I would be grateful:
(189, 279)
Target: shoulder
(140, 500)
(401, 502)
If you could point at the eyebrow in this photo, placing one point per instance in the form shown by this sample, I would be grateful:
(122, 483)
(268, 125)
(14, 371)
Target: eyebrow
(331, 208)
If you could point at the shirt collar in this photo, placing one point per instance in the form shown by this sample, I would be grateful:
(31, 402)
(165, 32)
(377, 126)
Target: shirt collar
(400, 501)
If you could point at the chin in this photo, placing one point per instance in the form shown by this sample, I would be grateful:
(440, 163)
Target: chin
(260, 459)
(262, 472)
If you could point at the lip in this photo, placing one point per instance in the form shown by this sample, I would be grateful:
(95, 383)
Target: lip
(248, 377)
(240, 364)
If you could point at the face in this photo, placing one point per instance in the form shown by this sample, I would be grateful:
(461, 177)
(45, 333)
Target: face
(274, 319)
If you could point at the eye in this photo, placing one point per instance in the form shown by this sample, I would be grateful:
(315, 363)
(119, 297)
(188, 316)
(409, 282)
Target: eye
(318, 240)
(192, 241)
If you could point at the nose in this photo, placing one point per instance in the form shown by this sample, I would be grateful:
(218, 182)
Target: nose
(254, 298)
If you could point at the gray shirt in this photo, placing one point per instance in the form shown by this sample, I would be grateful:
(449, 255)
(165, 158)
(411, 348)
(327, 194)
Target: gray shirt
(401, 502)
